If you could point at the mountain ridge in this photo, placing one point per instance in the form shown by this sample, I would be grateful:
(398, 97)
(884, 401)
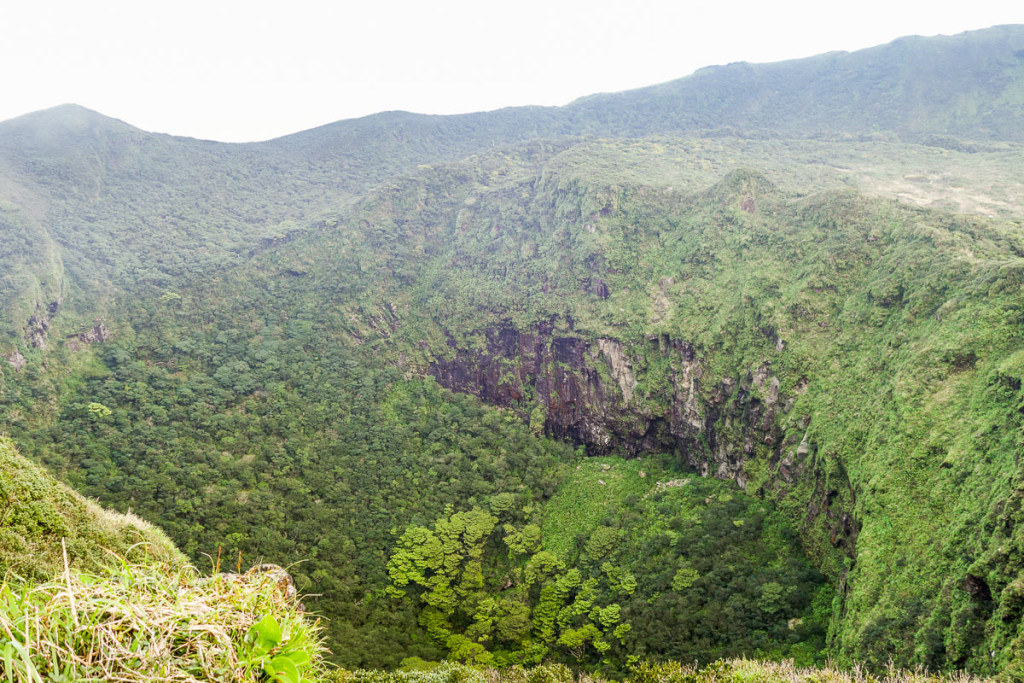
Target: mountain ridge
(70, 161)
(1008, 39)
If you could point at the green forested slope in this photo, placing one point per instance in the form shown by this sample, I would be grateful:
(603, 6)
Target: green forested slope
(800, 312)
(967, 85)
(383, 349)
(253, 423)
(33, 275)
(42, 519)
(124, 207)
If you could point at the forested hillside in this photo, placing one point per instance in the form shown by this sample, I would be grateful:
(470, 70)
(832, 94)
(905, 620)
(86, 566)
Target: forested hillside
(729, 366)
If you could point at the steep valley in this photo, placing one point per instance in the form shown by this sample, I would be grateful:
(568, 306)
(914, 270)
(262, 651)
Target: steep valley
(662, 389)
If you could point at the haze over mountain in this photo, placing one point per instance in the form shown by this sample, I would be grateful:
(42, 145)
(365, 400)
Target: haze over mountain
(729, 365)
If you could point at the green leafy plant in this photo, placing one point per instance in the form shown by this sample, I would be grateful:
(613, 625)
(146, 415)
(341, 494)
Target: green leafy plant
(280, 658)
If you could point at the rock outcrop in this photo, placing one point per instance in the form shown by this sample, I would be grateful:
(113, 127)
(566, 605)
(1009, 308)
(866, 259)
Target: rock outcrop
(96, 335)
(273, 576)
(16, 359)
(37, 330)
(659, 397)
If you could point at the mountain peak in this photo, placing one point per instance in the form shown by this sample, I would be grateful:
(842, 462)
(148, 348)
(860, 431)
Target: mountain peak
(64, 119)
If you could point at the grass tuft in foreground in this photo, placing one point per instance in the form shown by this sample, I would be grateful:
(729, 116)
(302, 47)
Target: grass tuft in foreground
(148, 623)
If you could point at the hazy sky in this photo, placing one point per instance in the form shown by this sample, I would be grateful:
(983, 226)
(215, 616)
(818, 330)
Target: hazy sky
(231, 70)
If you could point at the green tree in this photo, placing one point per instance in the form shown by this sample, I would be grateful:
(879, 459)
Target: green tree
(445, 566)
(531, 605)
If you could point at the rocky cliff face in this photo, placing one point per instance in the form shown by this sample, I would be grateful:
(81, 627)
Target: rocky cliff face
(661, 397)
(561, 375)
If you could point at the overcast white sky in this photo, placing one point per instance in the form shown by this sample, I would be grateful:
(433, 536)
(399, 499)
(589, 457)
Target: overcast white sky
(235, 71)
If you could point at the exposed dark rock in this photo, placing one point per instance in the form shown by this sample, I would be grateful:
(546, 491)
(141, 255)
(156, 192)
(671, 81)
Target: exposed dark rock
(39, 323)
(597, 287)
(977, 588)
(36, 331)
(96, 335)
(561, 373)
(277, 240)
(99, 333)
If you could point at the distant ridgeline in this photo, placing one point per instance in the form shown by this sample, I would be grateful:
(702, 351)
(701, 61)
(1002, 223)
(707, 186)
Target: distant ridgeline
(727, 366)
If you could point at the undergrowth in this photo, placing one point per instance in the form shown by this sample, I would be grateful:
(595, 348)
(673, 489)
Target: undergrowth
(722, 671)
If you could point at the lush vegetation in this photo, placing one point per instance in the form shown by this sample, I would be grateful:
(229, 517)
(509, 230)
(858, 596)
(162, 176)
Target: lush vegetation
(384, 350)
(717, 572)
(298, 449)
